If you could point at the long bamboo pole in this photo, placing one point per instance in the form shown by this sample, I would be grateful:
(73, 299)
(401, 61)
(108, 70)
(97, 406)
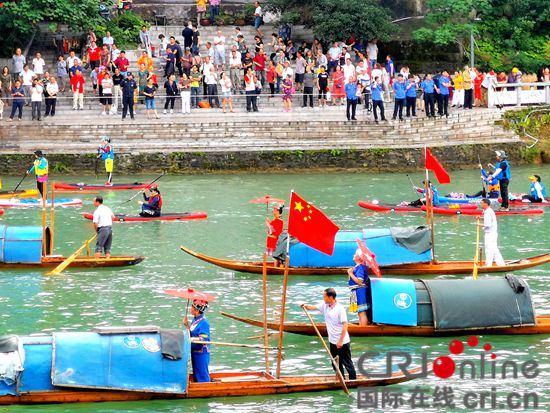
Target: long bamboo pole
(223, 343)
(281, 325)
(52, 221)
(44, 197)
(266, 336)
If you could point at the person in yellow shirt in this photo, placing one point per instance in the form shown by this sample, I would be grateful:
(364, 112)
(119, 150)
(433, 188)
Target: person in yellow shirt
(40, 169)
(468, 86)
(201, 9)
(144, 59)
(458, 95)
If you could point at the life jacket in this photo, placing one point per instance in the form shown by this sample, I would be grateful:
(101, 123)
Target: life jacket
(152, 198)
(107, 152)
(40, 171)
(494, 187)
(504, 174)
(534, 189)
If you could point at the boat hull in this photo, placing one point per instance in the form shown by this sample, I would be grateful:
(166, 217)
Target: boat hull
(542, 326)
(184, 216)
(224, 385)
(98, 187)
(433, 268)
(80, 262)
(27, 193)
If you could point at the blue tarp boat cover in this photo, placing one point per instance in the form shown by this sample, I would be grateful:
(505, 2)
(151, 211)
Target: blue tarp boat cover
(379, 241)
(468, 303)
(20, 244)
(394, 301)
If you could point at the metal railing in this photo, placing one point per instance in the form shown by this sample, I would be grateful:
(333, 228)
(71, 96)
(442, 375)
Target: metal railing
(518, 94)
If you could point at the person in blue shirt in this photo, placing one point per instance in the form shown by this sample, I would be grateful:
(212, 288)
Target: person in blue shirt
(422, 201)
(390, 67)
(377, 101)
(351, 98)
(410, 96)
(491, 187)
(503, 175)
(538, 190)
(428, 86)
(359, 284)
(107, 154)
(199, 330)
(128, 87)
(399, 88)
(445, 84)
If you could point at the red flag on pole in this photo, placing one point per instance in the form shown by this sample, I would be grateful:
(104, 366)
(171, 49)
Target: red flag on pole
(433, 164)
(310, 226)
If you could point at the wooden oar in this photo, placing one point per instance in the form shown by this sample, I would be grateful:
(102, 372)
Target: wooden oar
(476, 258)
(222, 343)
(61, 267)
(334, 363)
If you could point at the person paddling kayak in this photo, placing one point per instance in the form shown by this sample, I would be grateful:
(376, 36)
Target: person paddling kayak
(40, 168)
(491, 187)
(538, 190)
(422, 201)
(152, 204)
(107, 154)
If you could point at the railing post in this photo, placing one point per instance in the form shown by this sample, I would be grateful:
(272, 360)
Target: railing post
(518, 94)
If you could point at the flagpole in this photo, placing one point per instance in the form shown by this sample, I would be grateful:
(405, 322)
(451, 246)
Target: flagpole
(429, 204)
(283, 300)
(266, 338)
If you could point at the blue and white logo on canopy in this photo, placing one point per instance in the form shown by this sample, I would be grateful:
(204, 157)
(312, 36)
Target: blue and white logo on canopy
(394, 302)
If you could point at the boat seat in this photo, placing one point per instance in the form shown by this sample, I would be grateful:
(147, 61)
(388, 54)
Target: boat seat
(126, 329)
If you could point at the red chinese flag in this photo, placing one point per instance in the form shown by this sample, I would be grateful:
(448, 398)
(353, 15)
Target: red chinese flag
(310, 226)
(432, 164)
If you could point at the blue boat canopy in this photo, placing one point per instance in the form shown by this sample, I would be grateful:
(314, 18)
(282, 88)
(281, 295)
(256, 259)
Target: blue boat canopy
(20, 244)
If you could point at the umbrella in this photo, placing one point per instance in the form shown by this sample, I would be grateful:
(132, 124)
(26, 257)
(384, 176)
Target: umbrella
(190, 294)
(369, 258)
(267, 199)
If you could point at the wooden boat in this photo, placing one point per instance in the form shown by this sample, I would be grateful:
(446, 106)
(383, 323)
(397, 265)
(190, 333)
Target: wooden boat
(182, 216)
(60, 186)
(130, 365)
(431, 268)
(373, 206)
(542, 327)
(26, 193)
(86, 261)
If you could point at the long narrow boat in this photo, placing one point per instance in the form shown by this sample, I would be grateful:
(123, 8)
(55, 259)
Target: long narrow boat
(183, 216)
(100, 187)
(37, 203)
(80, 262)
(136, 365)
(431, 268)
(26, 193)
(463, 209)
(542, 326)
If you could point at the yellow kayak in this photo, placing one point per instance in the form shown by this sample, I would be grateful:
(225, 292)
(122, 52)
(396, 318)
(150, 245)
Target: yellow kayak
(27, 193)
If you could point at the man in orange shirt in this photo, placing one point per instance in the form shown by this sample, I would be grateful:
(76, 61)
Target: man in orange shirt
(468, 86)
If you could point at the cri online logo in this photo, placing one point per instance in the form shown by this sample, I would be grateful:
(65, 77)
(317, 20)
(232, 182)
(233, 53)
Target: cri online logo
(444, 366)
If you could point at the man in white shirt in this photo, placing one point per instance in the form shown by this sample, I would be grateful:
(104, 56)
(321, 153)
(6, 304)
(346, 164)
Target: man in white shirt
(334, 56)
(287, 71)
(336, 321)
(38, 65)
(492, 253)
(236, 70)
(372, 52)
(103, 224)
(219, 50)
(108, 41)
(27, 76)
(349, 71)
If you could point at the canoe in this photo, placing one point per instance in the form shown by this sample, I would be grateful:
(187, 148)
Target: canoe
(100, 187)
(80, 262)
(431, 268)
(27, 193)
(183, 216)
(542, 326)
(406, 208)
(463, 209)
(37, 203)
(129, 365)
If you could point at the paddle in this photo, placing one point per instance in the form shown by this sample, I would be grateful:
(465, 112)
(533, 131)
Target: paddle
(143, 190)
(412, 185)
(476, 258)
(61, 267)
(483, 188)
(97, 162)
(338, 372)
(21, 181)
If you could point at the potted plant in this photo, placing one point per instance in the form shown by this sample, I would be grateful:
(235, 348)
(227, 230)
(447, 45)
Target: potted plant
(240, 18)
(205, 20)
(249, 10)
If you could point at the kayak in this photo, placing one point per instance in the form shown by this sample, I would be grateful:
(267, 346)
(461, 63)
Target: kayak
(27, 193)
(183, 216)
(406, 208)
(460, 209)
(97, 187)
(465, 200)
(29, 203)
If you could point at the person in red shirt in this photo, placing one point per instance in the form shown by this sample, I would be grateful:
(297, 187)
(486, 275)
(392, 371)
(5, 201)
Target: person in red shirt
(94, 55)
(122, 63)
(77, 86)
(274, 229)
(271, 77)
(259, 65)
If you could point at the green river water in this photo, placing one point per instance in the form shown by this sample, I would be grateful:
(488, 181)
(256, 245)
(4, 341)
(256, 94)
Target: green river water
(81, 299)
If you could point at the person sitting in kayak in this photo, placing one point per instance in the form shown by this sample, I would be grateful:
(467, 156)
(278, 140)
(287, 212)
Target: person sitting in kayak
(199, 330)
(422, 201)
(107, 154)
(491, 187)
(274, 229)
(538, 190)
(359, 285)
(153, 203)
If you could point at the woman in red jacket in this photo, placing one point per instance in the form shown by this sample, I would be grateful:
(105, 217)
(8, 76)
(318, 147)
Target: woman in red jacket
(274, 229)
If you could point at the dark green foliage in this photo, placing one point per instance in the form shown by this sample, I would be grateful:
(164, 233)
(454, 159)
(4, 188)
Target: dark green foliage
(125, 29)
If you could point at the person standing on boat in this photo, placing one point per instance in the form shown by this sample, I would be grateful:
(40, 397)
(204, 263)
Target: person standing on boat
(107, 154)
(503, 175)
(274, 229)
(359, 284)
(538, 190)
(336, 321)
(103, 225)
(152, 204)
(490, 226)
(40, 168)
(199, 330)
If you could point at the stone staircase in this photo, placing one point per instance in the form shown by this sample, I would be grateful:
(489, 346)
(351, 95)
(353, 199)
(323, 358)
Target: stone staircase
(211, 131)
